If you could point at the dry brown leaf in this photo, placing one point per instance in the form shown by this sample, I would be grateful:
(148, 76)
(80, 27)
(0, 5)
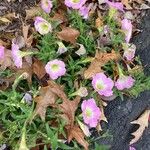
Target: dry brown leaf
(143, 122)
(68, 107)
(2, 43)
(6, 82)
(57, 89)
(126, 3)
(5, 20)
(28, 69)
(102, 117)
(98, 22)
(28, 39)
(60, 16)
(25, 30)
(9, 16)
(32, 12)
(46, 98)
(6, 61)
(76, 133)
(102, 104)
(100, 60)
(68, 34)
(38, 68)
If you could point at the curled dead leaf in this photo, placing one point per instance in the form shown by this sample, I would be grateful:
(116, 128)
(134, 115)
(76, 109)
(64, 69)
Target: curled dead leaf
(100, 60)
(98, 22)
(28, 69)
(46, 98)
(143, 122)
(32, 12)
(6, 61)
(126, 3)
(68, 34)
(76, 133)
(5, 20)
(28, 39)
(38, 68)
(68, 107)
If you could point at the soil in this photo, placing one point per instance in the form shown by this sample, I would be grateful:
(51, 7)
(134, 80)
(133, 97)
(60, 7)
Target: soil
(121, 113)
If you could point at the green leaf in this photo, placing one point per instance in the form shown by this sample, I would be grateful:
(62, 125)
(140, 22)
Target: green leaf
(101, 147)
(53, 137)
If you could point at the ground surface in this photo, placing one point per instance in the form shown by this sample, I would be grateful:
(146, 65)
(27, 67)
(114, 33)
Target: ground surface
(121, 113)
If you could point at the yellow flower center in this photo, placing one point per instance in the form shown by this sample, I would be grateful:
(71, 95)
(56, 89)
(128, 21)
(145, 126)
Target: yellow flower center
(88, 112)
(100, 85)
(75, 1)
(55, 67)
(44, 26)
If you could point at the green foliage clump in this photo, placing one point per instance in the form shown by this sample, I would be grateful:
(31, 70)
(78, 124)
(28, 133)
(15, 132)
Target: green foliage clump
(47, 48)
(142, 83)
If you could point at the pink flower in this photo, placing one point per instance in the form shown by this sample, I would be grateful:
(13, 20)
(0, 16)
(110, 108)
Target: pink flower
(127, 28)
(61, 49)
(75, 4)
(129, 51)
(16, 55)
(131, 148)
(42, 26)
(91, 113)
(124, 82)
(46, 5)
(84, 12)
(2, 48)
(116, 5)
(55, 68)
(102, 84)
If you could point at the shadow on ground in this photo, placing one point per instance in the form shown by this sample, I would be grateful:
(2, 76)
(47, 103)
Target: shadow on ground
(121, 113)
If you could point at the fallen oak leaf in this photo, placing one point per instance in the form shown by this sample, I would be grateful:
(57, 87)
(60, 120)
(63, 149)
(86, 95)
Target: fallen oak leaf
(45, 99)
(67, 107)
(126, 3)
(143, 122)
(3, 43)
(68, 34)
(32, 12)
(57, 89)
(99, 61)
(38, 68)
(76, 133)
(99, 22)
(102, 104)
(6, 61)
(5, 20)
(28, 69)
(5, 83)
(60, 17)
(25, 31)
